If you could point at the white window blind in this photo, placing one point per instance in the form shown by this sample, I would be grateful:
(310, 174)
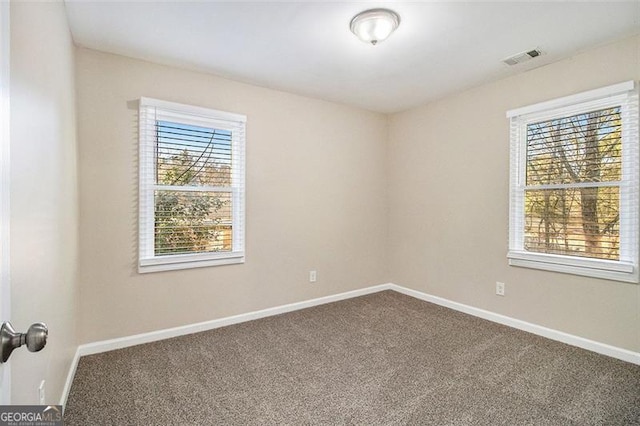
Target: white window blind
(574, 184)
(192, 186)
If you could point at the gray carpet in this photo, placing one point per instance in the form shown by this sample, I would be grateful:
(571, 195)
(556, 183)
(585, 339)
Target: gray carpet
(381, 359)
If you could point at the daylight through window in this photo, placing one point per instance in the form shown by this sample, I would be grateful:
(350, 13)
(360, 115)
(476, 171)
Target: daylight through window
(574, 188)
(191, 186)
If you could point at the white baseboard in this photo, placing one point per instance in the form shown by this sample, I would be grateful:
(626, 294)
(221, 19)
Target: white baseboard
(153, 336)
(570, 339)
(70, 375)
(138, 339)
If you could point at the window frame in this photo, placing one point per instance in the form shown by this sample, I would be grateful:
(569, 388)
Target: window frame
(624, 95)
(152, 111)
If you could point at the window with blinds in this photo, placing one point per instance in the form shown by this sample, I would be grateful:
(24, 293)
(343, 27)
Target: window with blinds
(191, 186)
(574, 184)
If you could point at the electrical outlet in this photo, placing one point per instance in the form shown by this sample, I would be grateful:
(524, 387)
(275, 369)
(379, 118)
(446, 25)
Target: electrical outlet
(313, 276)
(499, 288)
(41, 395)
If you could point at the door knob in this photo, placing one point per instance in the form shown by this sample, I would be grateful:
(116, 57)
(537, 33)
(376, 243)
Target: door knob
(35, 338)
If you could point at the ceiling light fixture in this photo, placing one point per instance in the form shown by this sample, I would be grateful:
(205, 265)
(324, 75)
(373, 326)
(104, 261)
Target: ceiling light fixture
(374, 25)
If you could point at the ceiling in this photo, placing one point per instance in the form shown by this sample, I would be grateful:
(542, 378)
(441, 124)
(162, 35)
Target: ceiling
(306, 47)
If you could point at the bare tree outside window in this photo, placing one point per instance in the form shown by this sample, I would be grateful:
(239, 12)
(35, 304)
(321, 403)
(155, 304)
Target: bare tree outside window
(572, 193)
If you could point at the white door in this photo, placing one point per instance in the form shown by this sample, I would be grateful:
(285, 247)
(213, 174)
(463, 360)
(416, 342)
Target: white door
(5, 295)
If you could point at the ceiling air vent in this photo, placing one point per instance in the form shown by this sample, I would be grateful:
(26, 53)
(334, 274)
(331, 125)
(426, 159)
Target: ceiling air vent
(522, 57)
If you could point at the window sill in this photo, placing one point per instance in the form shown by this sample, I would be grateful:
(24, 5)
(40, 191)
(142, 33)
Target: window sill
(595, 268)
(177, 262)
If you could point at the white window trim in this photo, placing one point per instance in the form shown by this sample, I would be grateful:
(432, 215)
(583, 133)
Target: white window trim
(147, 261)
(627, 268)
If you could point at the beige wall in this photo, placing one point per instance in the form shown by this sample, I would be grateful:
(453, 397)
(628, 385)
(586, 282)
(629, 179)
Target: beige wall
(320, 177)
(43, 195)
(315, 200)
(449, 186)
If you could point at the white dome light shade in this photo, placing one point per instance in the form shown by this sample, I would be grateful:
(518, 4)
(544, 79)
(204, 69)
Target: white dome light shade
(374, 25)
